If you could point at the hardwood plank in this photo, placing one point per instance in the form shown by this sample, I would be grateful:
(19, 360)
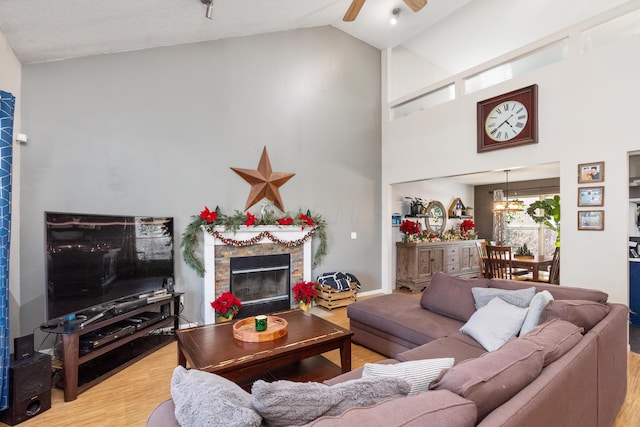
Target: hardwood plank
(127, 398)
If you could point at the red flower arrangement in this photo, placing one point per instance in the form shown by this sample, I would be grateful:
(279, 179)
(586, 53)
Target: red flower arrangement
(467, 225)
(410, 227)
(251, 219)
(306, 219)
(304, 292)
(209, 216)
(226, 305)
(285, 221)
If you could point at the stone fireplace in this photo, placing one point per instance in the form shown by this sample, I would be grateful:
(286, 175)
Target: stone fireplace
(262, 269)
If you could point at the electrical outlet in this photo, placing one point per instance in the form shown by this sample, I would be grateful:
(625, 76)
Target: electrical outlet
(354, 235)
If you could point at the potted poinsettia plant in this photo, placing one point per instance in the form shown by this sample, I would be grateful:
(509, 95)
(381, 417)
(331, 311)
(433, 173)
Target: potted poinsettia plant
(303, 293)
(410, 230)
(226, 306)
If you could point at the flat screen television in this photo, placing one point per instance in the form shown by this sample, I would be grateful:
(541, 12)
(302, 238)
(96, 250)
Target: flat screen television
(94, 261)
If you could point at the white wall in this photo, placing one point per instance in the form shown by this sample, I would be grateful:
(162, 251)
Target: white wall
(587, 113)
(155, 132)
(10, 79)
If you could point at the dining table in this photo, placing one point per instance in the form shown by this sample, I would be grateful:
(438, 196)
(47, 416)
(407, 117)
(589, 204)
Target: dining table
(533, 264)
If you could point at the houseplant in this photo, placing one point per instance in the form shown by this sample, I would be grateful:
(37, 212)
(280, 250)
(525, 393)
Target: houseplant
(417, 206)
(226, 306)
(547, 212)
(303, 293)
(410, 231)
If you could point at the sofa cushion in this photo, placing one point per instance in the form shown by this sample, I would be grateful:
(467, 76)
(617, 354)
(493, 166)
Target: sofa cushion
(536, 307)
(556, 337)
(418, 373)
(458, 349)
(434, 409)
(400, 316)
(519, 297)
(451, 296)
(286, 403)
(558, 292)
(202, 398)
(585, 314)
(493, 378)
(495, 323)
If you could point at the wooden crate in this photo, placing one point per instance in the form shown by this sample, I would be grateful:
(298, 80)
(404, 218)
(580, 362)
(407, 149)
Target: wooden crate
(330, 298)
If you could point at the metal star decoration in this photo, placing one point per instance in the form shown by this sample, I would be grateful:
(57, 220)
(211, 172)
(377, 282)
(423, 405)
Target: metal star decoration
(264, 182)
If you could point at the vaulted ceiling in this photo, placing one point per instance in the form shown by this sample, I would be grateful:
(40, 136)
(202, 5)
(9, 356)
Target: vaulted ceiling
(450, 33)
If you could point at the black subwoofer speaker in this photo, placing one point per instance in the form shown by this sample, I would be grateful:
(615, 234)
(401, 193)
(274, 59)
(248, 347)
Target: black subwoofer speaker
(29, 388)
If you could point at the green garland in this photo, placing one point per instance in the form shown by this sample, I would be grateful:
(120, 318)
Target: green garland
(208, 220)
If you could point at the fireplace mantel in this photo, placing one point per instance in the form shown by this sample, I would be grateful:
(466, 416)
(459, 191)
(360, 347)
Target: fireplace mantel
(281, 233)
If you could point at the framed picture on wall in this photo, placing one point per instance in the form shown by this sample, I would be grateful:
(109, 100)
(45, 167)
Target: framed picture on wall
(591, 220)
(590, 196)
(590, 172)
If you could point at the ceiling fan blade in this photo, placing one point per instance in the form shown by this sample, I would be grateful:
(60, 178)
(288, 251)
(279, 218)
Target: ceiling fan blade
(415, 5)
(353, 10)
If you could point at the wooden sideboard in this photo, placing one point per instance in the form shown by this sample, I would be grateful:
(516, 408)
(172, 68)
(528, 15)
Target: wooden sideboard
(417, 262)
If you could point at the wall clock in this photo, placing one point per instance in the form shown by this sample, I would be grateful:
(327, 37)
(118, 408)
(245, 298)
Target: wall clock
(508, 120)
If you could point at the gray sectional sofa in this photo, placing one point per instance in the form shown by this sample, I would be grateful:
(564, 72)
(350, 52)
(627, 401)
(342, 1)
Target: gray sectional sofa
(569, 370)
(585, 386)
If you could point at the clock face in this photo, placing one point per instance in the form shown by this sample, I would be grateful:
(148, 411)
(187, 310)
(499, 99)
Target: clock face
(506, 120)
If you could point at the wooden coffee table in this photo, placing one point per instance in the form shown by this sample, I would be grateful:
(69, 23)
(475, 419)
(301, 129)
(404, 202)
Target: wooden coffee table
(295, 356)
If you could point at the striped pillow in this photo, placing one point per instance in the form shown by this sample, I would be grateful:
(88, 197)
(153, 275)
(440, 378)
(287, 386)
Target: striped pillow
(418, 373)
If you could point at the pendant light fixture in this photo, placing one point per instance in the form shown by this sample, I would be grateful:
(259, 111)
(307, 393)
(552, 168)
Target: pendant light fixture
(504, 206)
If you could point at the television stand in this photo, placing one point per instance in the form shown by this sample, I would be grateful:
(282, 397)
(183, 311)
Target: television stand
(84, 370)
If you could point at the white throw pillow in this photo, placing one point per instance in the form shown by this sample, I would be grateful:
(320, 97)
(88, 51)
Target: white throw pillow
(536, 307)
(418, 373)
(519, 297)
(495, 323)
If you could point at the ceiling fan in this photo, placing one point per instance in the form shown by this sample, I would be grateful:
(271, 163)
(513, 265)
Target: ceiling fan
(356, 5)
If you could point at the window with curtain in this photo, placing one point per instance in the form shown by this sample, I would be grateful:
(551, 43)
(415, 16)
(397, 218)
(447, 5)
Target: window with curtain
(520, 228)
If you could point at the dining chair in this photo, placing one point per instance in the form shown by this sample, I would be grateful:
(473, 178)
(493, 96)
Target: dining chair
(553, 276)
(481, 245)
(498, 262)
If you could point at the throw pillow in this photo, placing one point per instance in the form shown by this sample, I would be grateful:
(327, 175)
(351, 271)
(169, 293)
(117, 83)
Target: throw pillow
(585, 314)
(495, 323)
(286, 403)
(520, 297)
(556, 337)
(418, 373)
(536, 306)
(451, 296)
(204, 399)
(493, 378)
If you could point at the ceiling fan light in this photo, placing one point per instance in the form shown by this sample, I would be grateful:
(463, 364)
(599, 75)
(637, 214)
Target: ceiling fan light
(395, 14)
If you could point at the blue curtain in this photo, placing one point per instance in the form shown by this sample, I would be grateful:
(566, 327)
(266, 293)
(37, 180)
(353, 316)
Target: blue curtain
(7, 104)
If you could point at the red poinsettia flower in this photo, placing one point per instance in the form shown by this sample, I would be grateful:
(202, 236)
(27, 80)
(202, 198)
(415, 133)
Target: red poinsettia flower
(409, 227)
(467, 225)
(306, 219)
(209, 216)
(251, 219)
(304, 291)
(285, 221)
(226, 305)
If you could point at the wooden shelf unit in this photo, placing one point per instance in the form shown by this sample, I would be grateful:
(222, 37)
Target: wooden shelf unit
(82, 372)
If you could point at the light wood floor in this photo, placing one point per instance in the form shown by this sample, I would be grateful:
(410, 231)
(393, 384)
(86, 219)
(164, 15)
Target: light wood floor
(127, 398)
